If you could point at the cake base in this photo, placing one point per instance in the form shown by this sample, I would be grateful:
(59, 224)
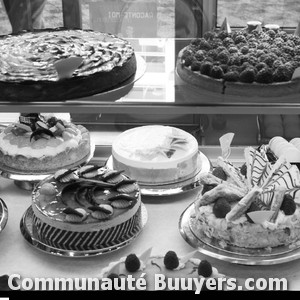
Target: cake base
(28, 232)
(175, 188)
(236, 255)
(196, 87)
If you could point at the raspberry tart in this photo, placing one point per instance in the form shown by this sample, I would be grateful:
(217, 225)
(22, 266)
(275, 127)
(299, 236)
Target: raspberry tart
(252, 62)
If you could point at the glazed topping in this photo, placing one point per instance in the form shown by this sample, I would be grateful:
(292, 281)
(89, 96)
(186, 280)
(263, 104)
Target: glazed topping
(78, 199)
(31, 56)
(41, 128)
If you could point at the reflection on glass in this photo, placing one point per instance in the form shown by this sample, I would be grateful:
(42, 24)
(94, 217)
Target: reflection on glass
(285, 13)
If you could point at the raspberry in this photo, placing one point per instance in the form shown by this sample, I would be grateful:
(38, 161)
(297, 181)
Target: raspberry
(221, 208)
(205, 268)
(288, 205)
(132, 263)
(243, 170)
(171, 260)
(207, 187)
(219, 172)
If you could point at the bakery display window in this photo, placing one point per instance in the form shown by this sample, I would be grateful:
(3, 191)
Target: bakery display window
(172, 157)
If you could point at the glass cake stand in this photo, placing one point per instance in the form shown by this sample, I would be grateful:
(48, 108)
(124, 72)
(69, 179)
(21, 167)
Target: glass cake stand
(28, 232)
(119, 91)
(204, 165)
(3, 214)
(192, 234)
(27, 181)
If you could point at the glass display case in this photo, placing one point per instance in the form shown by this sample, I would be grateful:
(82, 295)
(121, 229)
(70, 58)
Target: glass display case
(158, 31)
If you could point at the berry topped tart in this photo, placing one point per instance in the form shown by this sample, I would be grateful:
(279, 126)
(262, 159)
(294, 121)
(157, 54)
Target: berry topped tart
(254, 61)
(60, 64)
(168, 266)
(88, 208)
(252, 207)
(42, 144)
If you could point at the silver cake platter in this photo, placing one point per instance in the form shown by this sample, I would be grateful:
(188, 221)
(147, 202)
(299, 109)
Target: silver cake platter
(3, 214)
(28, 232)
(204, 165)
(27, 181)
(236, 255)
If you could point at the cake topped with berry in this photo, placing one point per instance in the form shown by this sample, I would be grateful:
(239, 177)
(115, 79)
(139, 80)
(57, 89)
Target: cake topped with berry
(86, 208)
(254, 206)
(234, 62)
(42, 144)
(168, 264)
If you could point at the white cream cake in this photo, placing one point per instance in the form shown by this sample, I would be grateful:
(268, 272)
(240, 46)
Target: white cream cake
(156, 154)
(42, 144)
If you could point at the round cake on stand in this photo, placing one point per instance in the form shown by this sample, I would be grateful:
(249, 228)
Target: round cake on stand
(39, 144)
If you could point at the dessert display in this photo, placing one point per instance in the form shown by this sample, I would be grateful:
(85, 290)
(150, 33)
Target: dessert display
(156, 154)
(32, 61)
(252, 207)
(38, 144)
(86, 208)
(254, 61)
(169, 265)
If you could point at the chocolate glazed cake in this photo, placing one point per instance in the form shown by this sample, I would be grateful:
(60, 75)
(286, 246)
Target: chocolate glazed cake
(91, 208)
(28, 72)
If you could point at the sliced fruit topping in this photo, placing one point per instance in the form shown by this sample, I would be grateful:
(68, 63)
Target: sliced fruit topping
(48, 189)
(113, 176)
(132, 263)
(205, 268)
(72, 211)
(121, 197)
(65, 175)
(126, 186)
(221, 208)
(259, 217)
(41, 133)
(121, 204)
(101, 212)
(171, 260)
(288, 205)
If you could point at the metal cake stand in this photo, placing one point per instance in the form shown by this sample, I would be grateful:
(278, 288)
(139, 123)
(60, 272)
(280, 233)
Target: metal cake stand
(192, 234)
(204, 165)
(28, 232)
